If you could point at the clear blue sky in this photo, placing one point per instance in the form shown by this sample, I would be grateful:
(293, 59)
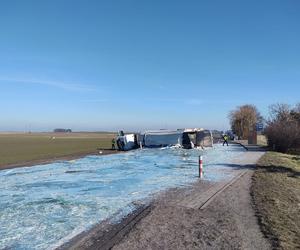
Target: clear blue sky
(104, 65)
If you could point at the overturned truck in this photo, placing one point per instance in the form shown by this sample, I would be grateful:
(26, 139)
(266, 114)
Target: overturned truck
(162, 138)
(186, 138)
(192, 138)
(126, 142)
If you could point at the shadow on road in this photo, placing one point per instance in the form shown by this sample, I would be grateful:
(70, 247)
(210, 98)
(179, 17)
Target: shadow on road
(237, 166)
(251, 148)
(269, 168)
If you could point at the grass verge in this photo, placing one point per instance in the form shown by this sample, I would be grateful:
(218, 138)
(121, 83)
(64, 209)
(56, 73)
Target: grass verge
(276, 197)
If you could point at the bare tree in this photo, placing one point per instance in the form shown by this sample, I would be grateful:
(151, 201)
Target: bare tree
(297, 107)
(279, 112)
(296, 112)
(283, 127)
(243, 119)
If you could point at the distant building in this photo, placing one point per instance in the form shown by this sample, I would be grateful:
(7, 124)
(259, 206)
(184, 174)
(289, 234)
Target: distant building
(62, 130)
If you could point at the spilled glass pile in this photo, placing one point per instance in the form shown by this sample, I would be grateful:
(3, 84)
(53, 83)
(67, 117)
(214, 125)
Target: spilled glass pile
(43, 206)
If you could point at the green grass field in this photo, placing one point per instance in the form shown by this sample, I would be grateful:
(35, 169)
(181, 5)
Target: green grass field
(276, 194)
(20, 148)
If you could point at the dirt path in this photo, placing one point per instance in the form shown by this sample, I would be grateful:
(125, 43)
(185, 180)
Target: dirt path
(226, 221)
(204, 216)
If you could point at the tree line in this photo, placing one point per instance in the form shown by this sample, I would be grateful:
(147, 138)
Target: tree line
(282, 125)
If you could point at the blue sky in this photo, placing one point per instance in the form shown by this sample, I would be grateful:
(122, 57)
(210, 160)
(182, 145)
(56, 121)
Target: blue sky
(105, 65)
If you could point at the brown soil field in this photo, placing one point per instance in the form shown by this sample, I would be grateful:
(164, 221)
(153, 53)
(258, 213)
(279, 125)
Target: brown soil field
(23, 149)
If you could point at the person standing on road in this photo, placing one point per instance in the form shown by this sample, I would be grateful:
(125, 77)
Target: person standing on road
(225, 137)
(113, 144)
